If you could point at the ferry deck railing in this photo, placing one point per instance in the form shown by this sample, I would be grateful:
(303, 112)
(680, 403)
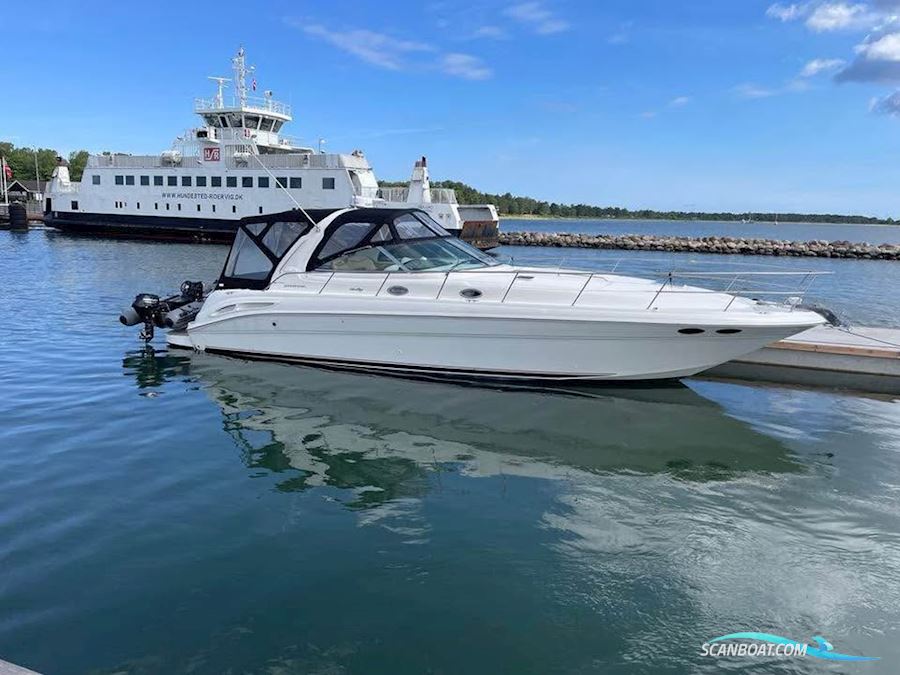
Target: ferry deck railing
(401, 194)
(735, 283)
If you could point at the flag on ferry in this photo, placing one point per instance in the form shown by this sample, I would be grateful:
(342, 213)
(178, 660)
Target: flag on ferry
(7, 169)
(253, 84)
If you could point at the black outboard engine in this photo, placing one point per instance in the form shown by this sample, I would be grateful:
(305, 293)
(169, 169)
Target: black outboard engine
(174, 312)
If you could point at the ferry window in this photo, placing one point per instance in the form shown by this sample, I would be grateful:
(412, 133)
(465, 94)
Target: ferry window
(156, 206)
(216, 181)
(233, 208)
(179, 207)
(145, 180)
(157, 180)
(198, 207)
(223, 121)
(172, 180)
(167, 206)
(251, 121)
(74, 206)
(234, 120)
(95, 179)
(267, 125)
(231, 181)
(138, 206)
(247, 181)
(260, 210)
(214, 208)
(296, 183)
(201, 181)
(263, 181)
(281, 182)
(129, 180)
(277, 126)
(328, 183)
(185, 181)
(120, 180)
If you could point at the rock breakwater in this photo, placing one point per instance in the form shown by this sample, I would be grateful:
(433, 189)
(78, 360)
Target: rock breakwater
(818, 248)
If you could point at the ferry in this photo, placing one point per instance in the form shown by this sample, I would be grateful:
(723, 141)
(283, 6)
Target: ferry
(237, 164)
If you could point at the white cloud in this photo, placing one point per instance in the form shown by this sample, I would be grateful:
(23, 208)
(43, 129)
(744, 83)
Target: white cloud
(885, 48)
(377, 49)
(540, 19)
(888, 105)
(786, 12)
(823, 15)
(679, 101)
(385, 51)
(817, 66)
(649, 115)
(490, 32)
(750, 91)
(839, 16)
(466, 66)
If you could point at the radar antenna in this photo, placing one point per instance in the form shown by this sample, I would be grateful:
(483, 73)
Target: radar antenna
(241, 70)
(220, 86)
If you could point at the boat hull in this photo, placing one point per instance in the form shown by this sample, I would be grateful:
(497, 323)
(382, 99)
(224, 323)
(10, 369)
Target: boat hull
(481, 347)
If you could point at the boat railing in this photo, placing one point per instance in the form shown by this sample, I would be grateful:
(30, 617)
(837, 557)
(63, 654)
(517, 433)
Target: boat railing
(789, 287)
(250, 103)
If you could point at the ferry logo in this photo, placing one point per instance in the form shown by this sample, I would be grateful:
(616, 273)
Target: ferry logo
(211, 154)
(768, 645)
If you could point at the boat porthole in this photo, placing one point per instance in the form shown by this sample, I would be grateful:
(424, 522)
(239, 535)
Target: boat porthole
(274, 325)
(398, 290)
(470, 293)
(691, 331)
(728, 331)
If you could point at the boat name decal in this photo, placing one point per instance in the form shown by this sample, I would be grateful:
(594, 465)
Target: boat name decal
(202, 195)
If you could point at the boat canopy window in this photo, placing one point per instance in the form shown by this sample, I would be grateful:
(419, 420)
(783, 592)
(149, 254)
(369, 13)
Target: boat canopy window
(370, 240)
(257, 249)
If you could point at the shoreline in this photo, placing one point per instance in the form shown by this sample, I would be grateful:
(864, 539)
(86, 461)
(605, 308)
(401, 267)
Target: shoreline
(691, 220)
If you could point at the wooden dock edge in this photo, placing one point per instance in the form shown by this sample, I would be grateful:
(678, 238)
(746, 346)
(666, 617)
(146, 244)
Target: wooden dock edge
(865, 360)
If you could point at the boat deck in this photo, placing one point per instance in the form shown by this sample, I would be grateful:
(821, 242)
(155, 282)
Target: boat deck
(857, 358)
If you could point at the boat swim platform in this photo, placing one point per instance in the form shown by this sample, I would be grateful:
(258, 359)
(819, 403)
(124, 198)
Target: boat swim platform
(852, 358)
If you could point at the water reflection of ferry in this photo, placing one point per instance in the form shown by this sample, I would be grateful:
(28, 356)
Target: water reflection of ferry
(382, 436)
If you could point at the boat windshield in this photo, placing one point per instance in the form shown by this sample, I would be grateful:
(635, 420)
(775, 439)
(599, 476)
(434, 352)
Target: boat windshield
(386, 242)
(434, 255)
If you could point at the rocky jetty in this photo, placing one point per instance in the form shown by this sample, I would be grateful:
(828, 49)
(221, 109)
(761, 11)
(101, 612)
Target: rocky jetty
(723, 245)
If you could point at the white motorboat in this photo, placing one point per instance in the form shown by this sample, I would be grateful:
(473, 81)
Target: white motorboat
(390, 290)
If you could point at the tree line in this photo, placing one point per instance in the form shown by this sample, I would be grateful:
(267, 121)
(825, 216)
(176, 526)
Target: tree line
(22, 162)
(512, 205)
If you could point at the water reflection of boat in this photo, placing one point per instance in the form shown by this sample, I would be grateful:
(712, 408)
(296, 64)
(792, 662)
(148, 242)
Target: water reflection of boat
(382, 436)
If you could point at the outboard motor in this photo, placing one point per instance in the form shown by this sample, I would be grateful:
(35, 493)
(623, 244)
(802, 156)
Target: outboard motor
(175, 311)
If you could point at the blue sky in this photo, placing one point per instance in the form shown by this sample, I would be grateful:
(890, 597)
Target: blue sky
(719, 104)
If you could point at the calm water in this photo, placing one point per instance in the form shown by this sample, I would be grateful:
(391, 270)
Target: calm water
(873, 234)
(176, 513)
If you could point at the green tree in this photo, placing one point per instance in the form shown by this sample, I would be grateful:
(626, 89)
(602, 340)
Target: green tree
(77, 162)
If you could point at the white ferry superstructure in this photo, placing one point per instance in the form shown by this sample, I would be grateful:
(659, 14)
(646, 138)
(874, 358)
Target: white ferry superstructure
(238, 164)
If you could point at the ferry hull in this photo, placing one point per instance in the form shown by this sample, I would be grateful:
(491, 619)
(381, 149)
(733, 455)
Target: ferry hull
(144, 227)
(214, 230)
(480, 348)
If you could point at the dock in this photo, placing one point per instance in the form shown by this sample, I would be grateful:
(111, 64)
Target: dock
(853, 358)
(34, 212)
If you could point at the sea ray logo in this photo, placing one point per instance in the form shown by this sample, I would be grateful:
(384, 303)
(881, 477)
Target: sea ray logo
(776, 645)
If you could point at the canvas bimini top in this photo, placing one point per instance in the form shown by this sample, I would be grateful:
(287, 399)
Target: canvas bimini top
(352, 240)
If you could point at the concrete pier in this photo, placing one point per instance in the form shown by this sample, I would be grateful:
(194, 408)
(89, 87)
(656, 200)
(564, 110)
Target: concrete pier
(859, 359)
(723, 245)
